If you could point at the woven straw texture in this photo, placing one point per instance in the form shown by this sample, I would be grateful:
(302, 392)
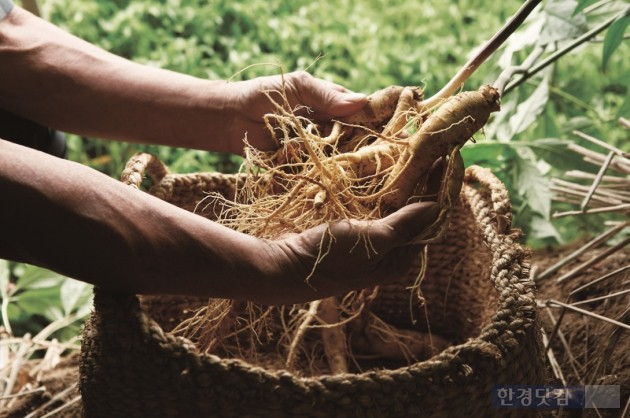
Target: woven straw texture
(478, 293)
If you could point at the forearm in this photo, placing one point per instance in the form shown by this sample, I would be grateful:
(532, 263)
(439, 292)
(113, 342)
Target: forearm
(76, 221)
(59, 80)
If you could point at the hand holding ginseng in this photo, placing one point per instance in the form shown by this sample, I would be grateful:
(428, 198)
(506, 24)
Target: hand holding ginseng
(318, 99)
(346, 255)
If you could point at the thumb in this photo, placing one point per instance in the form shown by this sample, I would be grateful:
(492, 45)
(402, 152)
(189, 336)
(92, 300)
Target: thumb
(410, 221)
(346, 103)
(326, 98)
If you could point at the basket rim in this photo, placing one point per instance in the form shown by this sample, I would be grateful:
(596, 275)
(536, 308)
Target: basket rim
(514, 315)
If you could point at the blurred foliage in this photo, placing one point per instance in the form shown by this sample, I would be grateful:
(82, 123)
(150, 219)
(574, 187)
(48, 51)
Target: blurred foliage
(373, 44)
(42, 303)
(364, 45)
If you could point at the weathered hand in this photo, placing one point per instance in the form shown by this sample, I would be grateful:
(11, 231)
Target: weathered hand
(347, 255)
(324, 99)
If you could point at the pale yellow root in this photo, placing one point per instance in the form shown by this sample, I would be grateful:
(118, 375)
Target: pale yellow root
(365, 168)
(448, 195)
(333, 336)
(299, 334)
(376, 338)
(449, 127)
(407, 109)
(376, 113)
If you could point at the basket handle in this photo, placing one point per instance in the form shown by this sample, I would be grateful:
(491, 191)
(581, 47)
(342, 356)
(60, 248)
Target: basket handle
(498, 195)
(139, 164)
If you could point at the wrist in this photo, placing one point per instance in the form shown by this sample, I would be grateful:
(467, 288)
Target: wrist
(217, 103)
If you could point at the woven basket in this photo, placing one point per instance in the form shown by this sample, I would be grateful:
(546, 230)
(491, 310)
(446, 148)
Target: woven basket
(478, 293)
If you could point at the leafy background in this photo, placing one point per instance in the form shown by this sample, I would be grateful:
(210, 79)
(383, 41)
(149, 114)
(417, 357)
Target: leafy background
(364, 45)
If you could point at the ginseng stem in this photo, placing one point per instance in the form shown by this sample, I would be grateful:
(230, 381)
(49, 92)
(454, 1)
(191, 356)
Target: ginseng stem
(485, 52)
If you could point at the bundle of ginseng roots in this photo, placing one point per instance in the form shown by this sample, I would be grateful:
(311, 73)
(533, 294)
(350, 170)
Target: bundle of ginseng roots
(371, 164)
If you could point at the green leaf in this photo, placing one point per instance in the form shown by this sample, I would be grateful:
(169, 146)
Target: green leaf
(531, 183)
(541, 228)
(549, 122)
(39, 301)
(73, 295)
(561, 24)
(36, 278)
(555, 152)
(583, 4)
(528, 110)
(487, 154)
(624, 109)
(613, 38)
(4, 277)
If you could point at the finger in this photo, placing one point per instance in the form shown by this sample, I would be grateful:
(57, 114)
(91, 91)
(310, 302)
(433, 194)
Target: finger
(435, 178)
(338, 104)
(409, 222)
(327, 99)
(338, 87)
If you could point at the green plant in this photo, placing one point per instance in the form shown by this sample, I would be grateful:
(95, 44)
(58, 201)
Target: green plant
(40, 302)
(573, 80)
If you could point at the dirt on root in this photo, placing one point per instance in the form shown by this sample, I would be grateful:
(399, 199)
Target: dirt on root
(588, 350)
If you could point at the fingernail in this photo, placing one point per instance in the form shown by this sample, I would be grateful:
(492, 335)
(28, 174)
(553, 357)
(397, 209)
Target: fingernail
(355, 97)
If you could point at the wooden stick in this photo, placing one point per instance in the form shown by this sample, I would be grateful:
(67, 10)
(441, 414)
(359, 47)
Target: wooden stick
(602, 144)
(24, 393)
(618, 208)
(599, 280)
(556, 327)
(608, 296)
(603, 193)
(597, 158)
(607, 198)
(16, 365)
(599, 257)
(54, 399)
(575, 254)
(62, 407)
(584, 175)
(597, 180)
(612, 343)
(484, 53)
(552, 302)
(627, 408)
(565, 344)
(555, 366)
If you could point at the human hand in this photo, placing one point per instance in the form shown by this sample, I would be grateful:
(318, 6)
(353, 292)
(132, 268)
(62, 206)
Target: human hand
(249, 104)
(346, 255)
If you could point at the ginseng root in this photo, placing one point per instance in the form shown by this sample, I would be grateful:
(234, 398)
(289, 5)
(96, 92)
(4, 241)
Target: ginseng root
(448, 128)
(333, 336)
(373, 163)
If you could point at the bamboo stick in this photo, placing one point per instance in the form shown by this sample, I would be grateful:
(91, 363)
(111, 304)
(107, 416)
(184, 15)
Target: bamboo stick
(599, 257)
(552, 302)
(617, 208)
(602, 144)
(575, 254)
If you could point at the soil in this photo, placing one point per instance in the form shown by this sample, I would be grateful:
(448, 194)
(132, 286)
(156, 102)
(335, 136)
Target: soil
(594, 352)
(61, 393)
